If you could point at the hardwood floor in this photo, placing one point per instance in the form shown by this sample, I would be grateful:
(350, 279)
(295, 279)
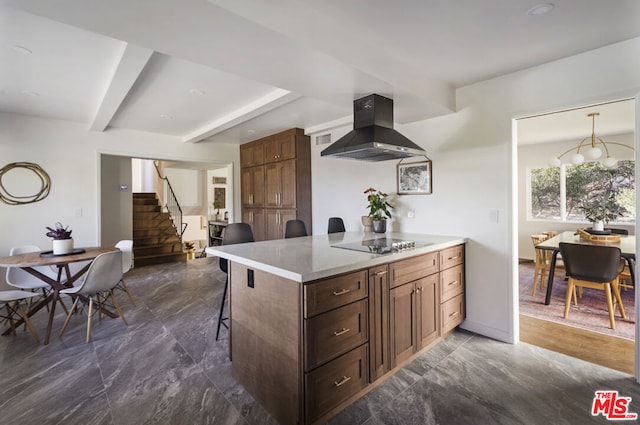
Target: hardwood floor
(576, 340)
(605, 350)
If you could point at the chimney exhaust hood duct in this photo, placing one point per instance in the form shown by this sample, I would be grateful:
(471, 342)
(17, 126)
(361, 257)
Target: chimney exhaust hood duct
(373, 137)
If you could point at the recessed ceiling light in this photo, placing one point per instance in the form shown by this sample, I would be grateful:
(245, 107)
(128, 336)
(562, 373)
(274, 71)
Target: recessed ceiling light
(197, 92)
(166, 117)
(21, 49)
(30, 93)
(251, 131)
(540, 9)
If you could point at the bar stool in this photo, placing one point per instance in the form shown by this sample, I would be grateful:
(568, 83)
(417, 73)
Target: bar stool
(336, 225)
(234, 233)
(295, 229)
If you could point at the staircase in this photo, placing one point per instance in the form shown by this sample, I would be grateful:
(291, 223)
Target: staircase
(155, 239)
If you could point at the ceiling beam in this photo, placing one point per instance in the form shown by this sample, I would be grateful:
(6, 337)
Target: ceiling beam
(128, 69)
(273, 100)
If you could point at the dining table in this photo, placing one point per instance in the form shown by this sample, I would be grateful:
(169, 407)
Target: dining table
(65, 278)
(627, 247)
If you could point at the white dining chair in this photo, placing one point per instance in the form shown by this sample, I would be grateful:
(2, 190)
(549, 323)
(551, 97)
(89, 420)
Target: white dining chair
(11, 307)
(102, 277)
(20, 279)
(126, 246)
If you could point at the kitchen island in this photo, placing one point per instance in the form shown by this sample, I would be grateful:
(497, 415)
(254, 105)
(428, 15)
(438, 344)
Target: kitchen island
(318, 321)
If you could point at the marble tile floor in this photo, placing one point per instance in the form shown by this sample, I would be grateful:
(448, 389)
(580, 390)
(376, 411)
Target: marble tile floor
(167, 368)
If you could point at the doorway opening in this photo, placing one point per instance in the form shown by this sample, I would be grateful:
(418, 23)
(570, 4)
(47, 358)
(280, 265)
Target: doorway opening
(550, 199)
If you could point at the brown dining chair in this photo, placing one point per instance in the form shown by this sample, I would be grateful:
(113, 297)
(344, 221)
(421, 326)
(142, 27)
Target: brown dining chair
(596, 267)
(543, 263)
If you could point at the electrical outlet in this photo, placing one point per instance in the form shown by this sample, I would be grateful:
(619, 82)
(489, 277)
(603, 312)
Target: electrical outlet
(411, 213)
(250, 282)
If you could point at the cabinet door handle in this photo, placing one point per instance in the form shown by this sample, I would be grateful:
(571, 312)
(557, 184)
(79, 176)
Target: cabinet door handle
(342, 332)
(454, 257)
(417, 290)
(454, 282)
(342, 292)
(343, 381)
(454, 314)
(381, 273)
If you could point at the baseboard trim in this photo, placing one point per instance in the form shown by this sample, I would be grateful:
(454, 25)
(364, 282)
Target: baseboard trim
(488, 331)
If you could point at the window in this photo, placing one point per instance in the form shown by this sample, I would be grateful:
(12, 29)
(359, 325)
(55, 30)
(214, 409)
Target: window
(559, 193)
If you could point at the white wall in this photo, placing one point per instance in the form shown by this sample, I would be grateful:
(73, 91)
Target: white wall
(70, 155)
(473, 170)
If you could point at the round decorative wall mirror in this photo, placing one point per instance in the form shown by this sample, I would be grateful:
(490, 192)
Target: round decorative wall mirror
(19, 177)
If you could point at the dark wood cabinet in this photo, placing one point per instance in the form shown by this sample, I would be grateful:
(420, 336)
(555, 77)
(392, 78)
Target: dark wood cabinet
(428, 308)
(255, 217)
(281, 148)
(402, 326)
(379, 362)
(323, 344)
(275, 221)
(280, 184)
(252, 154)
(452, 279)
(276, 176)
(426, 300)
(252, 187)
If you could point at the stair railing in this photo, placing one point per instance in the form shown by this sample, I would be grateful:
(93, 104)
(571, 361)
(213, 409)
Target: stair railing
(172, 205)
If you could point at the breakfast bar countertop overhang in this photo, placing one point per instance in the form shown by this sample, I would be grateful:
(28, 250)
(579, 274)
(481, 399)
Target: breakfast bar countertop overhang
(308, 258)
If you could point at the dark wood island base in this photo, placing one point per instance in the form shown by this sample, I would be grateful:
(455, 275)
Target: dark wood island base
(307, 351)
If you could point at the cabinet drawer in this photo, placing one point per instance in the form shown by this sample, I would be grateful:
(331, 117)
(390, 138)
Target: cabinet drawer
(331, 293)
(411, 269)
(452, 313)
(331, 384)
(451, 257)
(335, 332)
(451, 282)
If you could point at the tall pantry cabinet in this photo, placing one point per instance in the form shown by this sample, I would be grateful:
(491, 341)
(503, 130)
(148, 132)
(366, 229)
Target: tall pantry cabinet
(276, 183)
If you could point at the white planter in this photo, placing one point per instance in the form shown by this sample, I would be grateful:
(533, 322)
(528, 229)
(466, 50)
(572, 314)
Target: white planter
(598, 226)
(367, 222)
(62, 246)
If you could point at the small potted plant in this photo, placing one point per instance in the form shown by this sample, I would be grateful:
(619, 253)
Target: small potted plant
(378, 209)
(600, 211)
(62, 240)
(217, 205)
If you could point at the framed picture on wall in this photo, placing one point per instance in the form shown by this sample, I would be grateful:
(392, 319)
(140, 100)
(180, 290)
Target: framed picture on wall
(219, 180)
(414, 178)
(219, 195)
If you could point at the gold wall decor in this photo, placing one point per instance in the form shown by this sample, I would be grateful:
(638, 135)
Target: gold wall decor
(45, 181)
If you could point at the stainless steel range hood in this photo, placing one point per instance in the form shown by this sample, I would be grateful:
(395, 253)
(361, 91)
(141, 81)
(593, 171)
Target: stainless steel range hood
(373, 137)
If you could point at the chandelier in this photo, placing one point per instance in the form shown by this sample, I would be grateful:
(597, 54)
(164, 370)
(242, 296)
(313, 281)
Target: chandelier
(590, 149)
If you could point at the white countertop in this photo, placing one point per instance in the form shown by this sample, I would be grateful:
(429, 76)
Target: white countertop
(313, 257)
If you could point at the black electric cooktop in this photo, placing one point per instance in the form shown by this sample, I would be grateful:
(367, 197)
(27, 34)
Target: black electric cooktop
(381, 245)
